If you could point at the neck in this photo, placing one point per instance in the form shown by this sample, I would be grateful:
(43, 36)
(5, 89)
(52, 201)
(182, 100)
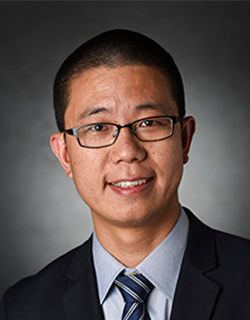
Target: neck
(131, 245)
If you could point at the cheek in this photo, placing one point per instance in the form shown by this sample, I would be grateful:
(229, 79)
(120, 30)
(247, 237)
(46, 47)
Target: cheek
(170, 162)
(87, 172)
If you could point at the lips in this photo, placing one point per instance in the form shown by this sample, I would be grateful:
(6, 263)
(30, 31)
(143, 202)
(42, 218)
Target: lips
(127, 184)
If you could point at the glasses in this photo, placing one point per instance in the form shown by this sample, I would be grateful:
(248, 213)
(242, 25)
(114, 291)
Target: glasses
(100, 135)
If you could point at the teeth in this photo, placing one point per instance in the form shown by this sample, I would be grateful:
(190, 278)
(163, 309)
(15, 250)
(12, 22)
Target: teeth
(129, 184)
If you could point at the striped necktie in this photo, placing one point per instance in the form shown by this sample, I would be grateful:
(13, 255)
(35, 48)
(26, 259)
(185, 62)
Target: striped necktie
(135, 289)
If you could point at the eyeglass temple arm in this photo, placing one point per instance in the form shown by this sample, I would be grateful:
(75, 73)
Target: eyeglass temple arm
(69, 131)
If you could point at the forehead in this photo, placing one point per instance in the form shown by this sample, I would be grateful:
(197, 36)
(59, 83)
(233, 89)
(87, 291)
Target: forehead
(124, 89)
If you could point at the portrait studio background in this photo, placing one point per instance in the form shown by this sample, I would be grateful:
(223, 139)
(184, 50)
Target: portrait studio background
(41, 214)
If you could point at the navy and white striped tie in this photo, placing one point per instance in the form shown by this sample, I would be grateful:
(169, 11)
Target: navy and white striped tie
(135, 289)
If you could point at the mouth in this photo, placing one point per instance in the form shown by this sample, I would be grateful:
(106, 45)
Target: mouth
(129, 184)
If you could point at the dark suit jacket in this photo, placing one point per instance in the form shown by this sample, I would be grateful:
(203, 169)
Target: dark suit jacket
(214, 283)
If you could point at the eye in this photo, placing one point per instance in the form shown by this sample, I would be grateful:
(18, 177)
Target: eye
(98, 127)
(94, 129)
(148, 123)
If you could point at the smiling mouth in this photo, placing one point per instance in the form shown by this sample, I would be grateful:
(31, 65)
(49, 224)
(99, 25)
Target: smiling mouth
(129, 184)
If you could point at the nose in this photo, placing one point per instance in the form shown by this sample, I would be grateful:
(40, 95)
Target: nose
(127, 148)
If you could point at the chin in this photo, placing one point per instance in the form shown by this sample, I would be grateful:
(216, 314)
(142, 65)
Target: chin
(134, 220)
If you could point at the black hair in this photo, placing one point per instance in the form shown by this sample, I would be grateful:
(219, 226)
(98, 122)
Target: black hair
(112, 49)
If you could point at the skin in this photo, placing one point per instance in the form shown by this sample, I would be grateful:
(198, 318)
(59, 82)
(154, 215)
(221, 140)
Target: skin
(129, 222)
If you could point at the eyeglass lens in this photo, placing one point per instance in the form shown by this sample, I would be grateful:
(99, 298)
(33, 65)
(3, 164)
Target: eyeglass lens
(103, 134)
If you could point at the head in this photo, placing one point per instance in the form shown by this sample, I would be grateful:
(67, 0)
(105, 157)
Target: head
(120, 77)
(112, 49)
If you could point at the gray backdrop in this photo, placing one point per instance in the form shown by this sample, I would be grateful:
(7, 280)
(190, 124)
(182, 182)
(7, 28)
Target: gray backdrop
(41, 214)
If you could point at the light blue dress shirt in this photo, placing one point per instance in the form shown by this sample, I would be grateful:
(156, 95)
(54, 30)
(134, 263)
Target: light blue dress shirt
(161, 267)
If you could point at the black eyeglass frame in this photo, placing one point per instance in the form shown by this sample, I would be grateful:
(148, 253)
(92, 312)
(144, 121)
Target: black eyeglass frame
(74, 131)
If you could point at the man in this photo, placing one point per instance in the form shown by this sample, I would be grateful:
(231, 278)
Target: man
(124, 139)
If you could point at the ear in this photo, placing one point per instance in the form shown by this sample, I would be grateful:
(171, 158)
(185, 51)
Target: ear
(59, 147)
(188, 130)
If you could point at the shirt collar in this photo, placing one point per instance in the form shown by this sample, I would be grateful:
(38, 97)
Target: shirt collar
(106, 266)
(168, 255)
(163, 274)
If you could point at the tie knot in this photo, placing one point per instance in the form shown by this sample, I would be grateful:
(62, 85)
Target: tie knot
(134, 287)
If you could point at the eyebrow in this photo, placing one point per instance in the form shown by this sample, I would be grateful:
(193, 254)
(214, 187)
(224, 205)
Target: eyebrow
(152, 106)
(93, 110)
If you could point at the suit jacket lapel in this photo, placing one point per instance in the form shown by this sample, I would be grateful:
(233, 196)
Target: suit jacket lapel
(196, 293)
(80, 298)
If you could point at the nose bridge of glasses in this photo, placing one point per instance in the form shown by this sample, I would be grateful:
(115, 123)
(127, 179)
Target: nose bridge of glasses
(118, 128)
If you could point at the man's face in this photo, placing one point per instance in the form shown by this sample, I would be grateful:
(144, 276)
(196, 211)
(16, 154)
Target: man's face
(122, 95)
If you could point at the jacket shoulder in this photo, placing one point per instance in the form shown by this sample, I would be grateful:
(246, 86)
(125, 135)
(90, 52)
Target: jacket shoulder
(58, 268)
(33, 292)
(232, 251)
(224, 249)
